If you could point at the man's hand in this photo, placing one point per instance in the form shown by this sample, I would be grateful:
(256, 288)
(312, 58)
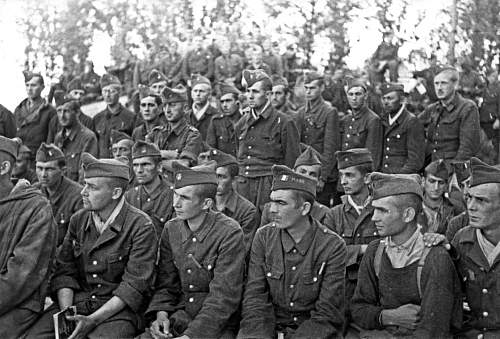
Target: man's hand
(160, 328)
(84, 325)
(404, 316)
(436, 239)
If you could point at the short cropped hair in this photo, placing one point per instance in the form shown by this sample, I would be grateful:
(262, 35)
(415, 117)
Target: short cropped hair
(403, 201)
(206, 191)
(364, 169)
(302, 197)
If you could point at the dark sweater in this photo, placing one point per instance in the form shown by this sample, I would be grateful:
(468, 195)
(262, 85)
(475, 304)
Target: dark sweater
(440, 304)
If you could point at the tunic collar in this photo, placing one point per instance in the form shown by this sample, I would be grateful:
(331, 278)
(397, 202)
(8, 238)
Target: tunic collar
(489, 250)
(100, 224)
(303, 245)
(407, 253)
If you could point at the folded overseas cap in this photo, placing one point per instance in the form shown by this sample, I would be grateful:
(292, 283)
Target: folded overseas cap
(385, 185)
(285, 178)
(482, 173)
(143, 149)
(10, 146)
(110, 168)
(438, 168)
(223, 159)
(198, 175)
(48, 152)
(353, 157)
(309, 157)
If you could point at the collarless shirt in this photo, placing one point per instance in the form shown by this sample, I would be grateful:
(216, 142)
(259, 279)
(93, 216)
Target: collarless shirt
(407, 253)
(489, 250)
(102, 225)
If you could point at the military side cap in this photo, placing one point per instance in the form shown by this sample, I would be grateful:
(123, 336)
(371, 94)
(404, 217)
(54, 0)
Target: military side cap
(228, 89)
(392, 87)
(10, 146)
(356, 83)
(309, 157)
(116, 136)
(385, 185)
(250, 77)
(223, 159)
(24, 149)
(48, 152)
(482, 173)
(144, 91)
(199, 175)
(60, 97)
(75, 84)
(285, 178)
(461, 170)
(109, 79)
(156, 76)
(110, 168)
(438, 168)
(353, 157)
(143, 149)
(177, 94)
(197, 79)
(312, 76)
(279, 81)
(28, 75)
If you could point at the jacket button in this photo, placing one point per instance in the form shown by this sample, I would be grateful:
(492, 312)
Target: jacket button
(291, 304)
(191, 300)
(93, 297)
(247, 167)
(188, 271)
(248, 157)
(485, 314)
(191, 286)
(387, 148)
(387, 157)
(94, 262)
(386, 166)
(194, 239)
(246, 173)
(348, 135)
(292, 286)
(295, 319)
(99, 285)
(294, 268)
(94, 275)
(249, 147)
(315, 279)
(268, 274)
(484, 291)
(388, 139)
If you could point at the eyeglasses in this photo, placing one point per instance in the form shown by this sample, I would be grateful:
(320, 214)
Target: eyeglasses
(147, 104)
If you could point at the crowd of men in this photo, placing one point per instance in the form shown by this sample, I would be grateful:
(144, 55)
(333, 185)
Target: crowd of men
(201, 211)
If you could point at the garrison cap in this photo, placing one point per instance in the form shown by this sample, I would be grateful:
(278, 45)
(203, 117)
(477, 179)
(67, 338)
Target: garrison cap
(386, 185)
(223, 159)
(176, 94)
(228, 89)
(24, 149)
(356, 83)
(279, 81)
(109, 79)
(48, 152)
(60, 98)
(461, 170)
(353, 157)
(309, 157)
(144, 91)
(311, 76)
(197, 79)
(250, 77)
(438, 168)
(198, 175)
(143, 149)
(109, 168)
(392, 87)
(75, 84)
(115, 136)
(156, 76)
(28, 75)
(482, 173)
(285, 178)
(10, 146)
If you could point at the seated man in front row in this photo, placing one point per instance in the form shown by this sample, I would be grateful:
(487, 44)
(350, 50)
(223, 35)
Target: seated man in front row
(106, 262)
(404, 288)
(295, 286)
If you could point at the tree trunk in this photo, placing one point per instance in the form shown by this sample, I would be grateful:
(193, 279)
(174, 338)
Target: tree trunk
(453, 32)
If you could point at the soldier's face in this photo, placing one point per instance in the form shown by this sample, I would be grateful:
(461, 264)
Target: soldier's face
(388, 218)
(256, 95)
(204, 157)
(145, 169)
(313, 90)
(21, 165)
(224, 180)
(228, 104)
(158, 87)
(434, 187)
(444, 86)
(356, 97)
(174, 111)
(66, 116)
(187, 204)
(149, 109)
(76, 94)
(200, 93)
(352, 180)
(278, 96)
(122, 148)
(391, 102)
(34, 88)
(311, 171)
(285, 210)
(111, 94)
(49, 173)
(483, 206)
(98, 193)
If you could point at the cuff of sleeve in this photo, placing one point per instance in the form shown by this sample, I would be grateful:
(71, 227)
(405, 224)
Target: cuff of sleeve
(187, 155)
(64, 282)
(129, 295)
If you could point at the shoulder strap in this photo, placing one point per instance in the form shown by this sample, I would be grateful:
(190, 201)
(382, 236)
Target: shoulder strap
(378, 258)
(421, 264)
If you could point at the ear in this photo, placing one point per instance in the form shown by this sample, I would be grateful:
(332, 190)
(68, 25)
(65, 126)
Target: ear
(207, 204)
(5, 168)
(366, 179)
(409, 214)
(117, 193)
(306, 208)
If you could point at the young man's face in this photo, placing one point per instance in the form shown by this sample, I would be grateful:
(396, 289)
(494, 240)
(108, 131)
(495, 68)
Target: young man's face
(391, 102)
(356, 97)
(256, 95)
(158, 87)
(187, 204)
(434, 187)
(224, 180)
(444, 86)
(122, 148)
(66, 116)
(313, 90)
(311, 171)
(97, 194)
(145, 169)
(483, 206)
(49, 173)
(174, 111)
(76, 94)
(149, 109)
(228, 104)
(388, 217)
(34, 87)
(352, 180)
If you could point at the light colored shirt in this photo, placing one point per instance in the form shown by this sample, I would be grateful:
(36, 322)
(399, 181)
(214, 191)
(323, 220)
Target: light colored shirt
(490, 251)
(198, 114)
(432, 218)
(100, 224)
(255, 115)
(393, 119)
(407, 253)
(358, 208)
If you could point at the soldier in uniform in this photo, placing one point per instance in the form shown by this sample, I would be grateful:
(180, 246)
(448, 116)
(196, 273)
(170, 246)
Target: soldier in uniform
(228, 66)
(73, 139)
(76, 91)
(228, 201)
(404, 137)
(151, 194)
(220, 132)
(404, 288)
(182, 140)
(27, 248)
(280, 96)
(266, 137)
(91, 82)
(198, 61)
(201, 265)
(452, 123)
(121, 144)
(33, 114)
(157, 82)
(7, 123)
(62, 192)
(295, 286)
(105, 266)
(22, 168)
(115, 116)
(151, 107)
(352, 218)
(362, 128)
(318, 125)
(201, 113)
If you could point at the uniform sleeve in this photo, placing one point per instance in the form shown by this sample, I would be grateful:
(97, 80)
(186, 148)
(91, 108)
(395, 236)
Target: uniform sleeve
(192, 147)
(333, 221)
(415, 148)
(469, 133)
(290, 142)
(9, 128)
(52, 131)
(258, 320)
(327, 318)
(248, 223)
(91, 145)
(374, 141)
(331, 144)
(225, 289)
(211, 136)
(30, 263)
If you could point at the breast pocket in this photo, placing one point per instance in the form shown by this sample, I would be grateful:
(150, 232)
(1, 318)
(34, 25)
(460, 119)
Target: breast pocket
(272, 145)
(356, 137)
(116, 264)
(312, 279)
(273, 276)
(73, 165)
(449, 126)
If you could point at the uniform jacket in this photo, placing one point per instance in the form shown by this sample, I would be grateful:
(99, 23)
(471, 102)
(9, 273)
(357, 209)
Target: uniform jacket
(55, 127)
(490, 109)
(183, 138)
(198, 62)
(64, 202)
(364, 130)
(27, 249)
(201, 273)
(33, 124)
(79, 140)
(202, 124)
(7, 123)
(157, 204)
(445, 213)
(140, 132)
(119, 262)
(221, 134)
(403, 150)
(105, 121)
(227, 67)
(452, 131)
(270, 139)
(318, 125)
(298, 286)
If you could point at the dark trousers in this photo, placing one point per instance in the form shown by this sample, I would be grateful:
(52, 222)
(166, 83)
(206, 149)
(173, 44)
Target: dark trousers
(16, 322)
